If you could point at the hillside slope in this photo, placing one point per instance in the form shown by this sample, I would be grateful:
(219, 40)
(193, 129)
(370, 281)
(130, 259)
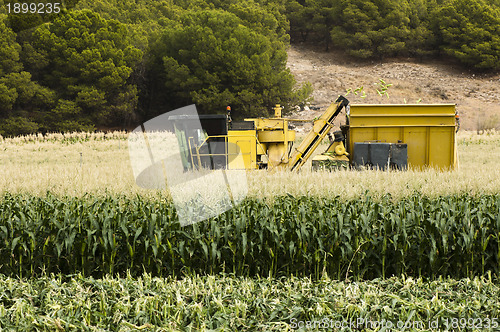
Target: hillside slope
(477, 96)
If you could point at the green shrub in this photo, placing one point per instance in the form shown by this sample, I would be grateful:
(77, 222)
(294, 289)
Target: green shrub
(17, 126)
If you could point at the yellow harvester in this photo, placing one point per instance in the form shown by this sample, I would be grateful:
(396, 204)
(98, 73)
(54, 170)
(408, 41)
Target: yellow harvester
(395, 136)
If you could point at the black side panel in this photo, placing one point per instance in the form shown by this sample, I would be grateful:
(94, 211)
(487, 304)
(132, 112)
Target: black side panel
(381, 155)
(242, 125)
(399, 156)
(214, 124)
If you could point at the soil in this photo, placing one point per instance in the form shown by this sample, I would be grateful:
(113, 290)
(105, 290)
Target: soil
(477, 96)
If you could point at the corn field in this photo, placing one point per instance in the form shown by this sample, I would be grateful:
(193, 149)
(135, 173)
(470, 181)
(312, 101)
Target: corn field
(82, 248)
(228, 303)
(457, 236)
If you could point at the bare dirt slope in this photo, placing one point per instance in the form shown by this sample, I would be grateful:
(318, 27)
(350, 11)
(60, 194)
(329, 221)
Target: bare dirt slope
(477, 96)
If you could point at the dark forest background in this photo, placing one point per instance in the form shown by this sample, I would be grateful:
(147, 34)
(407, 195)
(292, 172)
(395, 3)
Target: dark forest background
(112, 64)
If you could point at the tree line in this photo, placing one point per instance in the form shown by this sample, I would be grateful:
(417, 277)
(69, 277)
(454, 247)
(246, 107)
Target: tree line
(466, 30)
(116, 63)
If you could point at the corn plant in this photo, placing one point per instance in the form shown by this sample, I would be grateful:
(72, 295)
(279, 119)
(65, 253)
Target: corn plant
(361, 238)
(226, 302)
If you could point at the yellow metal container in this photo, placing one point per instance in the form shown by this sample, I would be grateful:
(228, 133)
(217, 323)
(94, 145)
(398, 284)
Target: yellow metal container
(272, 136)
(428, 130)
(241, 149)
(273, 140)
(269, 124)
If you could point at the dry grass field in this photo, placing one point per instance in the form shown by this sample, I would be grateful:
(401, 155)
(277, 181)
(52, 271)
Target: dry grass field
(76, 164)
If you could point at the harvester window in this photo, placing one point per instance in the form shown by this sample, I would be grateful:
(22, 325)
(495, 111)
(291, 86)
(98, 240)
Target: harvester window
(200, 136)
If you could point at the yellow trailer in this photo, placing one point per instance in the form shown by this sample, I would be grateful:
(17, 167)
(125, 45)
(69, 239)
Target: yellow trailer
(428, 130)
